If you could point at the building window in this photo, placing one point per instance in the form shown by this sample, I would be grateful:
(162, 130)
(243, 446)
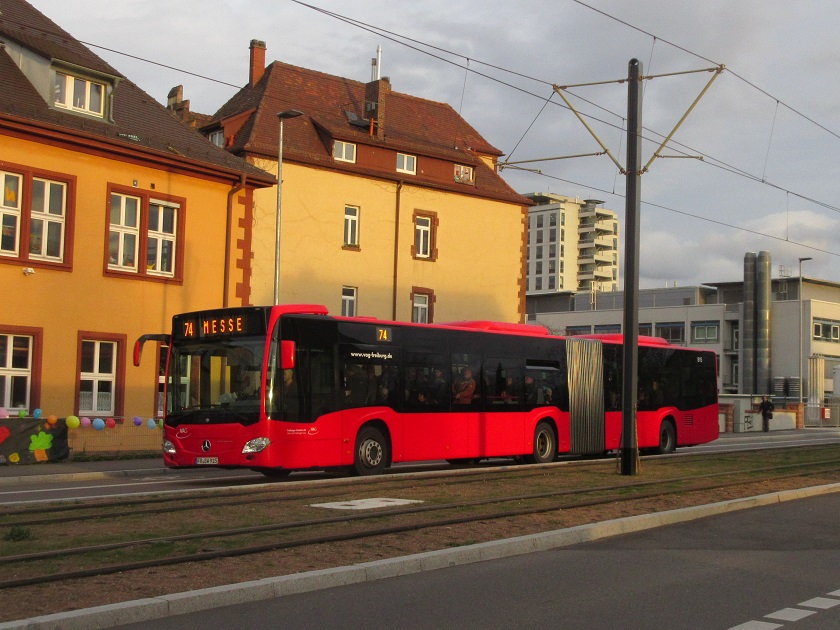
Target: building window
(827, 330)
(160, 247)
(464, 174)
(422, 305)
(351, 227)
(552, 282)
(646, 330)
(124, 232)
(573, 331)
(705, 332)
(99, 375)
(673, 332)
(217, 137)
(552, 219)
(538, 284)
(79, 95)
(406, 163)
(552, 235)
(607, 329)
(140, 223)
(348, 301)
(425, 236)
(344, 151)
(540, 221)
(15, 370)
(35, 216)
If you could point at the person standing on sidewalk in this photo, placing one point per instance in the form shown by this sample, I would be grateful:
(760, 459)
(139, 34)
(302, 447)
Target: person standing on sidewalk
(766, 409)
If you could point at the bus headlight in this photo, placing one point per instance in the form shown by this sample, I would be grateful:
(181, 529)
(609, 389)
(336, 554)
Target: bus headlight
(168, 447)
(256, 445)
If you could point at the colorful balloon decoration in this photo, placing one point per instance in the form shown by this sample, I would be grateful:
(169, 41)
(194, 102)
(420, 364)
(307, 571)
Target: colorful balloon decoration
(110, 423)
(138, 421)
(72, 422)
(52, 419)
(85, 421)
(151, 423)
(98, 424)
(4, 413)
(36, 414)
(22, 413)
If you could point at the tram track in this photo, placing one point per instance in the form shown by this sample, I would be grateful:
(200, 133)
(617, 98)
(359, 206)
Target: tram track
(494, 502)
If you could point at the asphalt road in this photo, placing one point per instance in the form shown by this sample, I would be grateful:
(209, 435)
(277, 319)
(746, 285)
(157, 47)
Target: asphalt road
(757, 569)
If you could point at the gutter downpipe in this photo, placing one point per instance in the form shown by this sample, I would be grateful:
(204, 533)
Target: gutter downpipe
(228, 229)
(396, 248)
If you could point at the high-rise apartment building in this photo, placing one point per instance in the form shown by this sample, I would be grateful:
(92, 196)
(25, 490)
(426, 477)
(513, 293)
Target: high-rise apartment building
(572, 245)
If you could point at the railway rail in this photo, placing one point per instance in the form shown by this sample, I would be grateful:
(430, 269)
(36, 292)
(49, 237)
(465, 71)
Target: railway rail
(280, 516)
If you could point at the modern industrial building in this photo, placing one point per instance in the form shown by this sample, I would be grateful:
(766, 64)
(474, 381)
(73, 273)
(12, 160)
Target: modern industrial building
(572, 245)
(768, 332)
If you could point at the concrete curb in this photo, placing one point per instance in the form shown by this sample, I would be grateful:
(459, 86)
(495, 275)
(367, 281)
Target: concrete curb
(153, 608)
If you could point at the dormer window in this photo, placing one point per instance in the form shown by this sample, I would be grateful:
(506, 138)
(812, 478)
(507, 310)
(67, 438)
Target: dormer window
(217, 137)
(464, 174)
(344, 151)
(79, 95)
(406, 164)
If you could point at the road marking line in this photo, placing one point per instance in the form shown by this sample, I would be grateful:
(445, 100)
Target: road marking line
(790, 614)
(823, 603)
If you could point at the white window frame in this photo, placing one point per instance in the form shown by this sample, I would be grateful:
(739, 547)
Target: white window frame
(74, 93)
(10, 372)
(164, 239)
(464, 174)
(49, 218)
(99, 403)
(423, 237)
(10, 211)
(122, 230)
(349, 300)
(420, 308)
(406, 163)
(351, 226)
(217, 137)
(344, 151)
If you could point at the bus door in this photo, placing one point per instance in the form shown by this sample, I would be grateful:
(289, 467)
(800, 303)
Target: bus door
(586, 395)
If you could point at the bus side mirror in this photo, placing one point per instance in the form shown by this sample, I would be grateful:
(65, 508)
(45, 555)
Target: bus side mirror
(138, 345)
(287, 355)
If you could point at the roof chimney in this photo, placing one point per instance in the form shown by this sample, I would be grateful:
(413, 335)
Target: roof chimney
(257, 67)
(375, 93)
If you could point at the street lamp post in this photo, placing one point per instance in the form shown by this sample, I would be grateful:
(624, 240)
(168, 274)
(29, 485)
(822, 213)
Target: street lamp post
(801, 260)
(289, 113)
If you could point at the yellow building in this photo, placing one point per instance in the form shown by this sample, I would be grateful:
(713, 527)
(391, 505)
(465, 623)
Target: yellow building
(391, 205)
(114, 217)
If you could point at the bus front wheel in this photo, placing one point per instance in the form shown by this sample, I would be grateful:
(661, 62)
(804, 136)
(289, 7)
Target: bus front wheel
(545, 445)
(371, 452)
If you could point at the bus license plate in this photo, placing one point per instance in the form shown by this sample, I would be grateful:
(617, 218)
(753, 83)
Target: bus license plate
(206, 460)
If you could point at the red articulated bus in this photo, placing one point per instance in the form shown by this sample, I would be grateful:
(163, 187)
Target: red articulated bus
(290, 387)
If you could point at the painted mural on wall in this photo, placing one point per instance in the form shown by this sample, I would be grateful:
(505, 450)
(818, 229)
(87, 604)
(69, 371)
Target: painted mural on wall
(33, 440)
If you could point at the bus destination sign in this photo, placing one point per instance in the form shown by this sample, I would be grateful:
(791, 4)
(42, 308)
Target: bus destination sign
(219, 324)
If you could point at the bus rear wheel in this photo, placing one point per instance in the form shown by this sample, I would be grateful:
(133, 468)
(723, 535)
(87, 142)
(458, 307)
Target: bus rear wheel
(667, 438)
(545, 445)
(371, 452)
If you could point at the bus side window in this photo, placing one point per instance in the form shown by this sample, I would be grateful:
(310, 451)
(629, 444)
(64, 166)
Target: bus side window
(465, 375)
(502, 382)
(545, 384)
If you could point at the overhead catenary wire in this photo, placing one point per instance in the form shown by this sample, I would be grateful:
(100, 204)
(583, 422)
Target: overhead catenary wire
(400, 39)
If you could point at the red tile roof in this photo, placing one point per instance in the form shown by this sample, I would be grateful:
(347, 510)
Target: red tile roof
(411, 125)
(140, 124)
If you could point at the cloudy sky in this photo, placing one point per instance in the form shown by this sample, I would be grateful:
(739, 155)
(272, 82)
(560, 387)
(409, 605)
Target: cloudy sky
(768, 128)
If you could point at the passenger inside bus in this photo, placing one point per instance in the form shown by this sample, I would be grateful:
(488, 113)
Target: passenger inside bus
(464, 388)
